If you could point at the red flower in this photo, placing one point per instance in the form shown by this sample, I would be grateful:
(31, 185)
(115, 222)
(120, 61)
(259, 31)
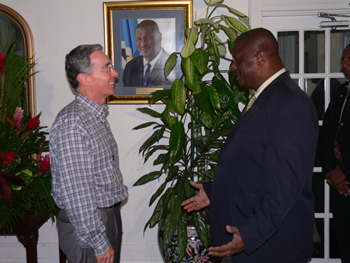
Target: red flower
(2, 62)
(10, 156)
(33, 123)
(45, 164)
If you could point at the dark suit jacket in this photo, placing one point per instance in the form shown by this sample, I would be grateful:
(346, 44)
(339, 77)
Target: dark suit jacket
(263, 180)
(133, 73)
(328, 131)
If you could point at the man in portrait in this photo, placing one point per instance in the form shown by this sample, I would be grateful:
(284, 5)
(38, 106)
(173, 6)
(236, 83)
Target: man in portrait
(147, 70)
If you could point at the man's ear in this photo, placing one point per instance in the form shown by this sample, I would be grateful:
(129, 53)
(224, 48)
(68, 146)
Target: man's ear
(83, 78)
(260, 56)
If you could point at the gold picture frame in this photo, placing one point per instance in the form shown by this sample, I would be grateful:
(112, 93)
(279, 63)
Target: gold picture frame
(172, 17)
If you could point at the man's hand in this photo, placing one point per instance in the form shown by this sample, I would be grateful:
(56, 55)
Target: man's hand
(107, 257)
(234, 247)
(337, 179)
(197, 202)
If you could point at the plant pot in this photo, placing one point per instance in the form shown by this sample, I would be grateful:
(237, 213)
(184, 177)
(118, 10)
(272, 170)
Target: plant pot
(195, 250)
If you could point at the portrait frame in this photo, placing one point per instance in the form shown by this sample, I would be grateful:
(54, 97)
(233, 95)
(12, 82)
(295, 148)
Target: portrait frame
(177, 13)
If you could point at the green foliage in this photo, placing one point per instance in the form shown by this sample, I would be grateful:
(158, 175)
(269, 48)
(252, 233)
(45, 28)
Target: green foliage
(25, 177)
(200, 109)
(16, 72)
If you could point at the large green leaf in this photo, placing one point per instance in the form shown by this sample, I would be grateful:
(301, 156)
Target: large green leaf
(172, 217)
(159, 95)
(214, 51)
(234, 11)
(158, 212)
(182, 237)
(177, 142)
(207, 113)
(167, 115)
(170, 64)
(235, 23)
(178, 94)
(191, 75)
(162, 158)
(200, 59)
(150, 112)
(244, 18)
(154, 148)
(202, 228)
(157, 193)
(175, 209)
(224, 92)
(189, 47)
(230, 33)
(206, 21)
(145, 125)
(148, 178)
(155, 137)
(214, 97)
(173, 172)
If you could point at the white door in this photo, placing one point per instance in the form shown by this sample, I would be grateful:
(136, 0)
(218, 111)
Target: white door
(312, 55)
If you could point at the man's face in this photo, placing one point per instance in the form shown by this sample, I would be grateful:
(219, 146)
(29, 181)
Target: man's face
(103, 75)
(245, 66)
(345, 60)
(148, 42)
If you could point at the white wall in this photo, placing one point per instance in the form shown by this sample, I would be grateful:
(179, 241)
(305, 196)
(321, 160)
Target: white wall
(58, 27)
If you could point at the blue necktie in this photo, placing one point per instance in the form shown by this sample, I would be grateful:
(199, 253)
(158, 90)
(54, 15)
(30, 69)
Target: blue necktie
(145, 78)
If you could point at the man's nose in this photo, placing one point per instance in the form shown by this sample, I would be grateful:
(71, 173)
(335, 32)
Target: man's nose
(143, 42)
(114, 73)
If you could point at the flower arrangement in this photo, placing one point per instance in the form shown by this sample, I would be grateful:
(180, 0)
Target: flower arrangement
(25, 177)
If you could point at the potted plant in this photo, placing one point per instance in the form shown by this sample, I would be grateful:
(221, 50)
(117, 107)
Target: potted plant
(200, 109)
(25, 178)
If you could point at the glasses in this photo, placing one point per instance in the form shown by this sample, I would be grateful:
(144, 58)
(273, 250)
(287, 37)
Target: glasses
(108, 68)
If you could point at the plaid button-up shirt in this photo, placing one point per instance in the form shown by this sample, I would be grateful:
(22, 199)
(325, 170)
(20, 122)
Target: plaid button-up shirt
(85, 169)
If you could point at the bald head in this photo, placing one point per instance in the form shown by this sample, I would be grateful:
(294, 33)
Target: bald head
(256, 58)
(259, 39)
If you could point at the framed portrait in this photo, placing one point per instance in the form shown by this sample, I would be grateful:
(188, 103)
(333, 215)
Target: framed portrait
(139, 37)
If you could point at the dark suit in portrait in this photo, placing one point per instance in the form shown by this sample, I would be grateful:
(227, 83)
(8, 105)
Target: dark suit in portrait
(134, 69)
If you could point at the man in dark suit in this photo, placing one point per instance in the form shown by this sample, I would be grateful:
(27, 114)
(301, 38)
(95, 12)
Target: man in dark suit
(261, 201)
(334, 145)
(148, 70)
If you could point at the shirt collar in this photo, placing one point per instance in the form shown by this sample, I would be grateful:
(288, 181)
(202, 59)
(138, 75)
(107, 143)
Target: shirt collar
(268, 81)
(152, 62)
(99, 111)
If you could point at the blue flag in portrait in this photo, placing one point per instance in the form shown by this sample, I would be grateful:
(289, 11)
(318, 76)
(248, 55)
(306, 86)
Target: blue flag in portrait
(129, 47)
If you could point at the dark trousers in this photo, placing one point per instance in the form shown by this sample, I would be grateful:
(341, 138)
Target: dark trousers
(75, 254)
(340, 207)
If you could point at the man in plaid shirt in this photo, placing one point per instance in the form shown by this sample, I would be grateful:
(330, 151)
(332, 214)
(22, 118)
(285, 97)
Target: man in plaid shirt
(87, 184)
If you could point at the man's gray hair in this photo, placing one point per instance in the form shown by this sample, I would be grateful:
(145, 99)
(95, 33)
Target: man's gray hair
(78, 61)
